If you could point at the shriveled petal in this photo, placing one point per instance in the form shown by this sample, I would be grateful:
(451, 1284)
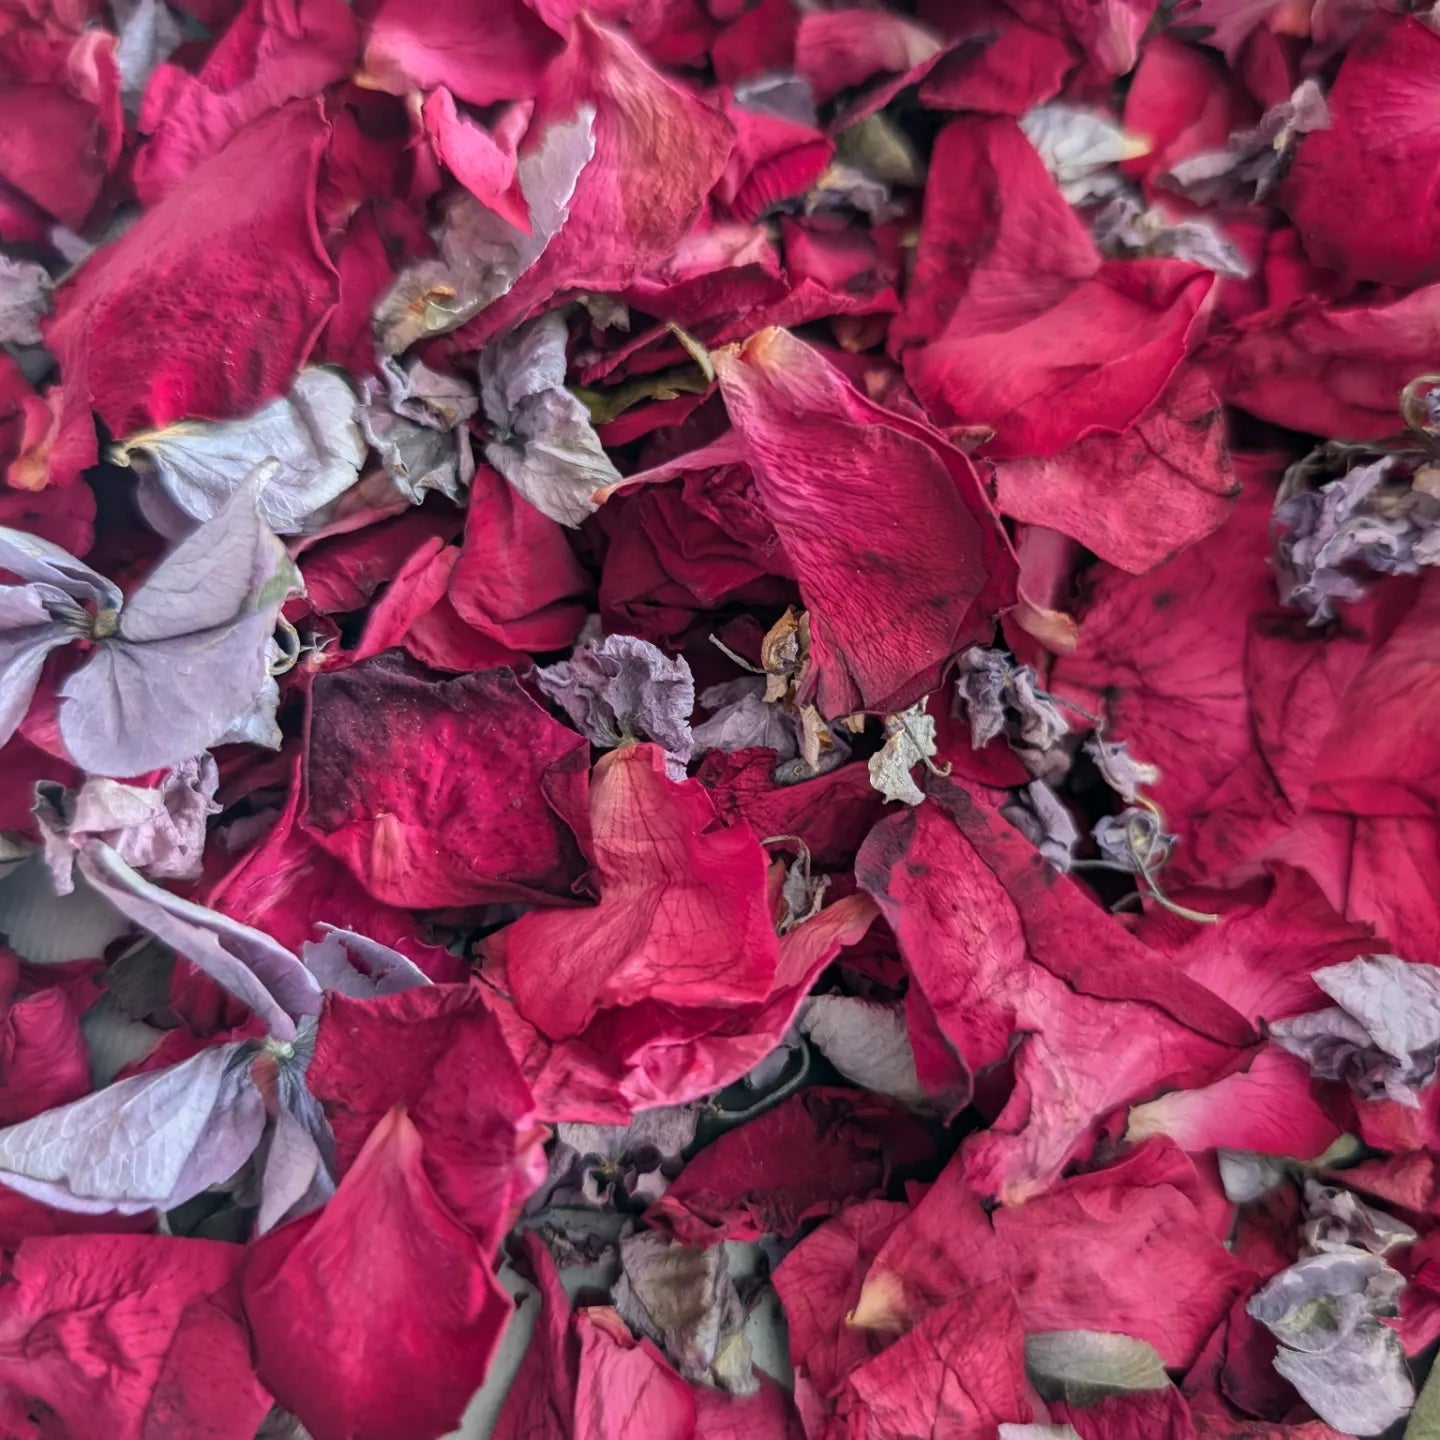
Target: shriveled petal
(545, 445)
(196, 466)
(484, 254)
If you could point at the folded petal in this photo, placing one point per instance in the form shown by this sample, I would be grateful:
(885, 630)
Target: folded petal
(254, 968)
(898, 553)
(987, 931)
(503, 59)
(682, 919)
(1137, 497)
(1018, 324)
(658, 151)
(194, 467)
(1380, 144)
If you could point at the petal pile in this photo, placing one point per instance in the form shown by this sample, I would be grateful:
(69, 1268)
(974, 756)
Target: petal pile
(717, 719)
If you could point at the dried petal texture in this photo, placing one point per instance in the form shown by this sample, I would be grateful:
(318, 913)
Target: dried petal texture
(867, 1042)
(408, 49)
(482, 160)
(156, 829)
(286, 884)
(1345, 359)
(959, 1372)
(61, 125)
(360, 967)
(150, 1142)
(1346, 1365)
(840, 49)
(1137, 497)
(1014, 322)
(44, 1058)
(991, 936)
(768, 1414)
(130, 1336)
(1368, 767)
(423, 1049)
(1261, 955)
(810, 1155)
(900, 559)
(1382, 1035)
(682, 920)
(683, 1298)
(207, 306)
(1080, 149)
(415, 418)
(387, 1339)
(621, 689)
(1381, 150)
(1268, 1109)
(489, 803)
(483, 254)
(24, 300)
(544, 444)
(248, 963)
(273, 51)
(517, 579)
(819, 1284)
(659, 150)
(679, 550)
(1070, 1256)
(1161, 659)
(644, 1054)
(624, 1386)
(188, 471)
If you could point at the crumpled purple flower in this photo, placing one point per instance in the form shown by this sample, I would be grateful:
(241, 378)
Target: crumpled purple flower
(159, 831)
(1041, 817)
(999, 697)
(742, 719)
(415, 418)
(1126, 228)
(545, 444)
(1360, 521)
(596, 1165)
(683, 1298)
(1326, 1311)
(622, 689)
(1253, 161)
(24, 300)
(1383, 1034)
(1120, 770)
(1337, 1219)
(1134, 840)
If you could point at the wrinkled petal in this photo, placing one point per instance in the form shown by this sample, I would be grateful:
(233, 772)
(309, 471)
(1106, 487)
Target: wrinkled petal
(196, 467)
(150, 1142)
